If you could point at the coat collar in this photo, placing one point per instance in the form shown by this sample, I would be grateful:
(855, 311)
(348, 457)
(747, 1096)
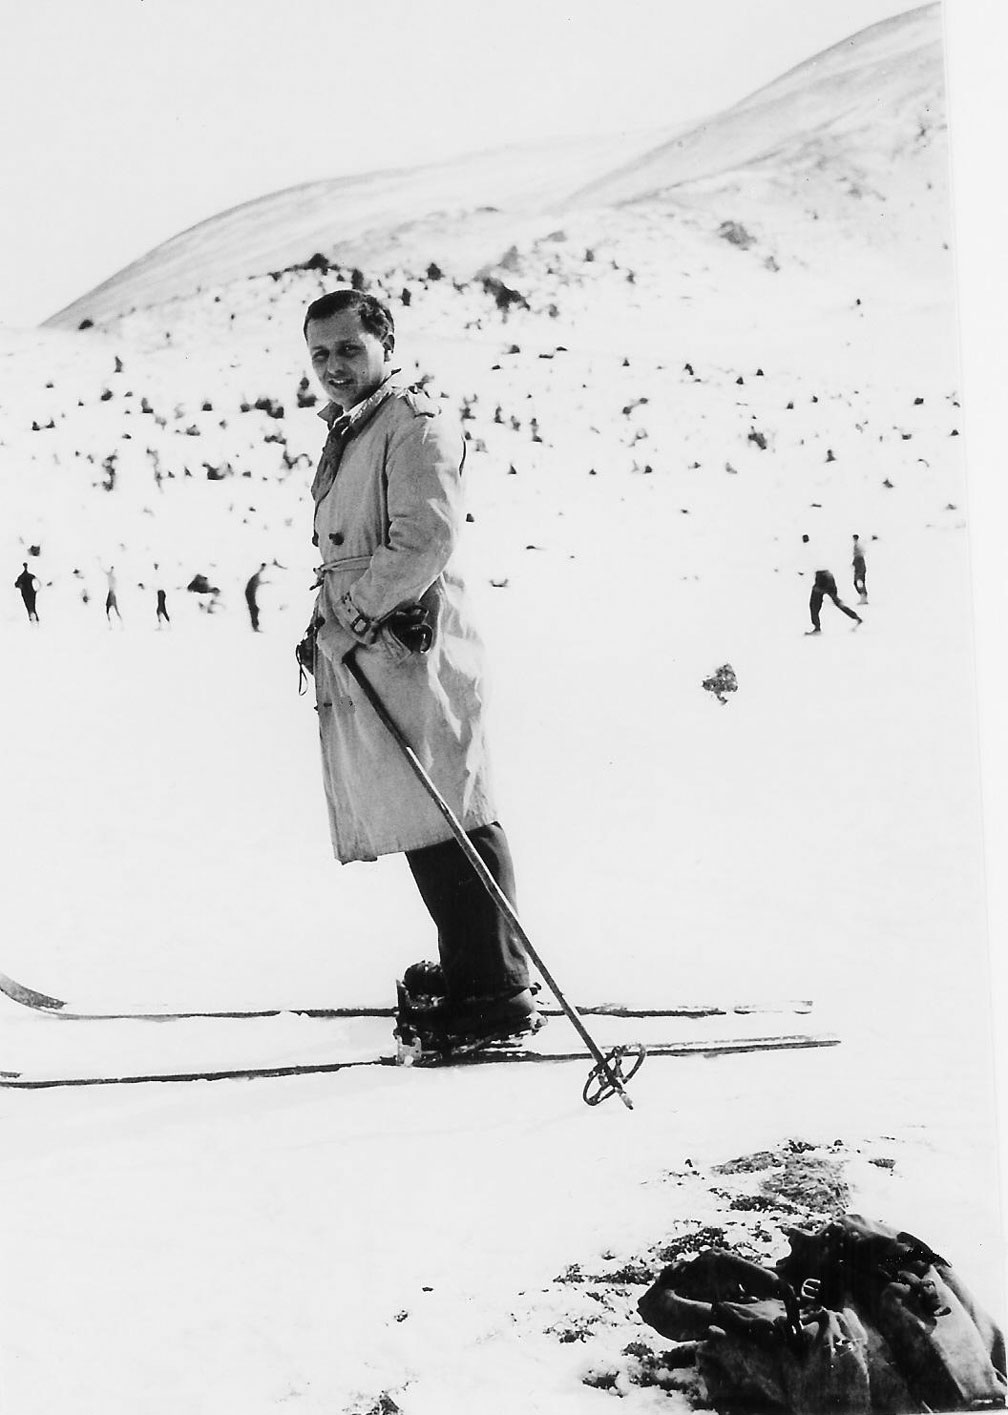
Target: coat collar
(342, 428)
(360, 413)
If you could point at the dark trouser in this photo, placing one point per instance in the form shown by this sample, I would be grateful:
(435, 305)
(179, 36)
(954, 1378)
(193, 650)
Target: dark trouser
(825, 588)
(253, 610)
(29, 604)
(859, 576)
(480, 955)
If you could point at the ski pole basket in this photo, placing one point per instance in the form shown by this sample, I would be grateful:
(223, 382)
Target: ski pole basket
(607, 1075)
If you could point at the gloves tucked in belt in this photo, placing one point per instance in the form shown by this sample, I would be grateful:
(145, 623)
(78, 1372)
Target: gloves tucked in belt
(412, 625)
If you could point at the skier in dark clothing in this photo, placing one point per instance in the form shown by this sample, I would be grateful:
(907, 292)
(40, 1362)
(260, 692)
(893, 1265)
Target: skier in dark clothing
(111, 600)
(28, 585)
(859, 570)
(251, 590)
(824, 586)
(162, 601)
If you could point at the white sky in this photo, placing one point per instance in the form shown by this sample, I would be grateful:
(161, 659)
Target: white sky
(127, 121)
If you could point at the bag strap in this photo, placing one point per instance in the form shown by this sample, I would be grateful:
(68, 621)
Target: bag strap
(760, 1282)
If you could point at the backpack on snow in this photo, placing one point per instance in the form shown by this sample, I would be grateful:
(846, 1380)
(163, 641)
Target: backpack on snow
(858, 1317)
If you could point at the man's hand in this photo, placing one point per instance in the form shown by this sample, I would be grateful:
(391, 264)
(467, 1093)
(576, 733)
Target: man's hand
(413, 626)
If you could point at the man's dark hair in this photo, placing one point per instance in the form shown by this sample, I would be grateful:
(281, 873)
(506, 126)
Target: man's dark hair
(375, 317)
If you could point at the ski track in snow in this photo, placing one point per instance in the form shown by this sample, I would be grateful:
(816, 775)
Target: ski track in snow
(381, 1240)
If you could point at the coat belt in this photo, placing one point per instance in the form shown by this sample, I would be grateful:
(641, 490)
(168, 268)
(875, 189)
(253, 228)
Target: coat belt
(349, 562)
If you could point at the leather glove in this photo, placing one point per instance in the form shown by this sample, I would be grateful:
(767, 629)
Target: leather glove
(413, 626)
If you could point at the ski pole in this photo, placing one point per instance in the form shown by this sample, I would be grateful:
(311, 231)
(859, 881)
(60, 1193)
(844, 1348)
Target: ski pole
(607, 1072)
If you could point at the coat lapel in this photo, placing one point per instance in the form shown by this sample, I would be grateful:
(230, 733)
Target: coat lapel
(343, 427)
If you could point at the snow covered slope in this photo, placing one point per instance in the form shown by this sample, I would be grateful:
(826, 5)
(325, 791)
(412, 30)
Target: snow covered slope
(858, 121)
(362, 217)
(873, 100)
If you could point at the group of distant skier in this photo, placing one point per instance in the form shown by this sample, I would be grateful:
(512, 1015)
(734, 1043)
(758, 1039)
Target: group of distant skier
(824, 586)
(27, 584)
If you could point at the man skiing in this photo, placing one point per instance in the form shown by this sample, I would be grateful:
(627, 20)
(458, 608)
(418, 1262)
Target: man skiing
(28, 585)
(388, 515)
(111, 596)
(251, 597)
(858, 562)
(162, 598)
(824, 586)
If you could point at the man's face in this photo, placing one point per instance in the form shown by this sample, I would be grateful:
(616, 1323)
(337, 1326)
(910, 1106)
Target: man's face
(349, 362)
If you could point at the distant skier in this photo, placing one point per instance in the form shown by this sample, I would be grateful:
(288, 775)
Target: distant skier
(162, 600)
(251, 591)
(28, 585)
(859, 570)
(824, 586)
(111, 601)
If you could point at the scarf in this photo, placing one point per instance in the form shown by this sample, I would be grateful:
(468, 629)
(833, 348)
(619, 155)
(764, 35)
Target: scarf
(342, 428)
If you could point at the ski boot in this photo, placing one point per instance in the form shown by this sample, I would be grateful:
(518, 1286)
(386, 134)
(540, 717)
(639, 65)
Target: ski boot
(431, 1027)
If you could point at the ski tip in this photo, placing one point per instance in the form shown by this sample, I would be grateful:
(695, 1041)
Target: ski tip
(28, 997)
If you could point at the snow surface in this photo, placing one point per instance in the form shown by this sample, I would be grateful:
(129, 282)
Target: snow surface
(380, 1239)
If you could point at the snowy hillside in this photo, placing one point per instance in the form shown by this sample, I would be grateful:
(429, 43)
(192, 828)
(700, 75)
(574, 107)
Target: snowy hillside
(352, 218)
(848, 147)
(852, 124)
(662, 388)
(876, 99)
(725, 278)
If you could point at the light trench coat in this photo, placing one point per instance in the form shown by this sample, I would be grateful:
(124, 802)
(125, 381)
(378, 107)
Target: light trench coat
(387, 531)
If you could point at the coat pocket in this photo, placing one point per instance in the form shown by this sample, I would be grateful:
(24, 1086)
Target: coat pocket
(394, 649)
